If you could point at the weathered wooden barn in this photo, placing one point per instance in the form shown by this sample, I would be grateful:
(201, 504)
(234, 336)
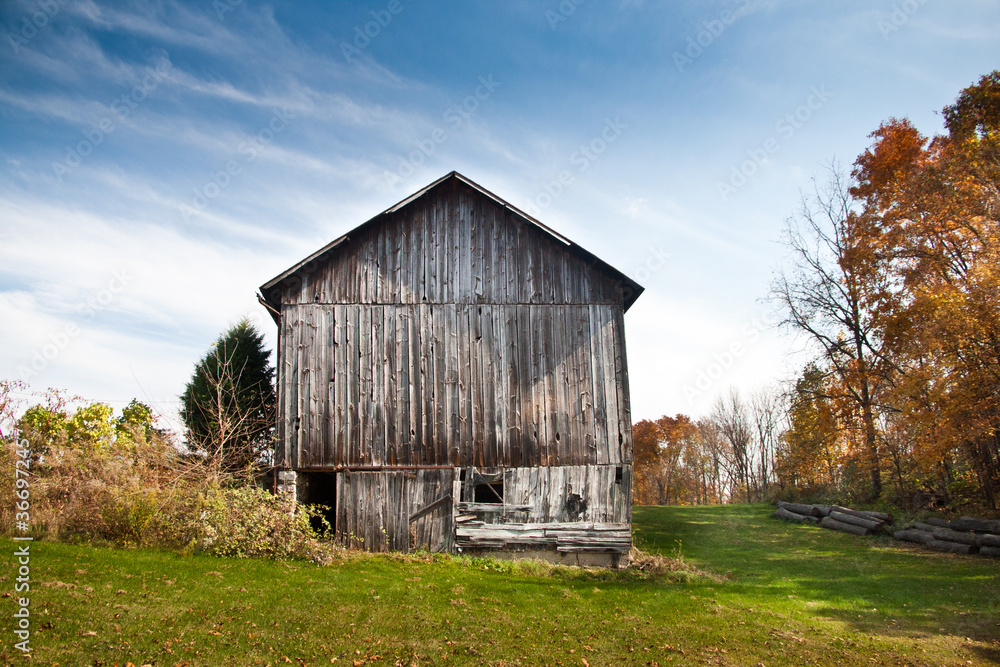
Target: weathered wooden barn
(452, 376)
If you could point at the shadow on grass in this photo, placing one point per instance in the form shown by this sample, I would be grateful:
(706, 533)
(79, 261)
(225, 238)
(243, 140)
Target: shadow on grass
(874, 585)
(987, 654)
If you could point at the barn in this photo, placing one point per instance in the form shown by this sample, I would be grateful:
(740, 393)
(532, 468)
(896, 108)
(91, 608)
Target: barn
(452, 377)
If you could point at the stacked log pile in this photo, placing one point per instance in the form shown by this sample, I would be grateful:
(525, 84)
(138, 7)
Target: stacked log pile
(834, 517)
(966, 535)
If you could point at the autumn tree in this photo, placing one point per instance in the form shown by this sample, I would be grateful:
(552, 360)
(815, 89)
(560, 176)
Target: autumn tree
(894, 279)
(730, 417)
(675, 463)
(659, 449)
(712, 458)
(645, 457)
(838, 293)
(810, 452)
(767, 417)
(90, 429)
(937, 201)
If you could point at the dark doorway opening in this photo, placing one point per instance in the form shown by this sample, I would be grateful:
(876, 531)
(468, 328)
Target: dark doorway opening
(320, 489)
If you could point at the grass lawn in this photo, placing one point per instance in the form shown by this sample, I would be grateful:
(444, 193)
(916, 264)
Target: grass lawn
(779, 594)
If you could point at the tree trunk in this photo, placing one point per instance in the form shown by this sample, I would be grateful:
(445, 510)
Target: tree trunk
(788, 515)
(949, 535)
(952, 547)
(799, 508)
(870, 440)
(918, 536)
(833, 524)
(871, 524)
(863, 514)
(986, 474)
(971, 523)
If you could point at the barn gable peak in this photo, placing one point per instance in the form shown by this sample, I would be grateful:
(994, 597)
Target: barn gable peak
(271, 290)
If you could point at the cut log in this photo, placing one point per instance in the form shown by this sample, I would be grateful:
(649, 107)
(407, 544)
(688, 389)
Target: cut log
(788, 515)
(978, 525)
(988, 540)
(940, 523)
(949, 535)
(843, 510)
(918, 536)
(878, 516)
(955, 536)
(824, 510)
(864, 522)
(993, 552)
(951, 547)
(799, 508)
(833, 524)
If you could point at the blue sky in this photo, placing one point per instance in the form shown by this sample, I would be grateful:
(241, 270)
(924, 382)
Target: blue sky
(161, 160)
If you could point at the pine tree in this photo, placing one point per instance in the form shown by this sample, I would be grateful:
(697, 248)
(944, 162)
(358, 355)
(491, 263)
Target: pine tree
(229, 405)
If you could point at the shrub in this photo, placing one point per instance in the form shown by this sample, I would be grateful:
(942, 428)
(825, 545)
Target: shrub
(251, 522)
(95, 476)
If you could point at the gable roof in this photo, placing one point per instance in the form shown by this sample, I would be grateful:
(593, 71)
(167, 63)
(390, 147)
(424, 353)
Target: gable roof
(631, 288)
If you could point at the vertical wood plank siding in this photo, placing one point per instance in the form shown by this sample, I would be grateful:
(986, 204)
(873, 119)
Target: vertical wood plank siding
(452, 332)
(452, 247)
(352, 403)
(374, 510)
(547, 491)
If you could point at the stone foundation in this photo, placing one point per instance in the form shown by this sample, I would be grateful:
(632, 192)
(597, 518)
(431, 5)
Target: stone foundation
(288, 482)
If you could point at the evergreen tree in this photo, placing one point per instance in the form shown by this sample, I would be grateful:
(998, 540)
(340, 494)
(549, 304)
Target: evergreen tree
(229, 405)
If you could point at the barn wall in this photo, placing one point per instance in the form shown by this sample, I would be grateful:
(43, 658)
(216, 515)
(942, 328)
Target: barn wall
(371, 510)
(454, 246)
(395, 510)
(567, 511)
(453, 384)
(604, 493)
(560, 507)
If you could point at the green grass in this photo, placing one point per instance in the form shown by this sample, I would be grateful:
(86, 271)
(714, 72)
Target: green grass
(778, 594)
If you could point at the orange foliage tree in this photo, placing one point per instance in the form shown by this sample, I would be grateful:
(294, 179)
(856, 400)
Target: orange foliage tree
(897, 279)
